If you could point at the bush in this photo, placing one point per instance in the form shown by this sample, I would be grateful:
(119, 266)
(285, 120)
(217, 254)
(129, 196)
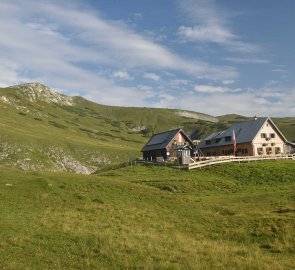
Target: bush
(58, 125)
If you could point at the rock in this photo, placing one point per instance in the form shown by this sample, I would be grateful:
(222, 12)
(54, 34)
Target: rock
(35, 92)
(198, 116)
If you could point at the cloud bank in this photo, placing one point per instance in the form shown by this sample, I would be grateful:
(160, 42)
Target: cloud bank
(78, 50)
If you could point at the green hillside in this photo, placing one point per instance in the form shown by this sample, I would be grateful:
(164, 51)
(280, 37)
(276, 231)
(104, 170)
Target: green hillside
(287, 125)
(233, 118)
(41, 129)
(235, 216)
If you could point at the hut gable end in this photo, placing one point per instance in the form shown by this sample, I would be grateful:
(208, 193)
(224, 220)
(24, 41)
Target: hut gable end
(165, 144)
(269, 131)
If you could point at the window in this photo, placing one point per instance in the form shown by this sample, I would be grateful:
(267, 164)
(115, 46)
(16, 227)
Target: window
(208, 142)
(278, 150)
(268, 150)
(263, 135)
(185, 153)
(272, 135)
(260, 151)
(227, 138)
(242, 151)
(217, 140)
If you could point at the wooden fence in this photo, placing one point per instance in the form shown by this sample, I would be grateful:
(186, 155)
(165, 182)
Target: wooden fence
(219, 160)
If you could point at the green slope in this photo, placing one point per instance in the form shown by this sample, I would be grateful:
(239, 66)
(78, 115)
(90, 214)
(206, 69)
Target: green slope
(43, 130)
(40, 130)
(233, 118)
(235, 216)
(287, 126)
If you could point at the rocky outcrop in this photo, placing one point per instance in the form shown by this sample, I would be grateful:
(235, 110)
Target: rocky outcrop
(197, 116)
(38, 92)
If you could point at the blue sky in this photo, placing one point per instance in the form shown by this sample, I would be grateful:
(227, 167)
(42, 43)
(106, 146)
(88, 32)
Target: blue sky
(215, 57)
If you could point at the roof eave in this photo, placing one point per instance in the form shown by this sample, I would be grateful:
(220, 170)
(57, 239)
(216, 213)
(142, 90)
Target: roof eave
(285, 140)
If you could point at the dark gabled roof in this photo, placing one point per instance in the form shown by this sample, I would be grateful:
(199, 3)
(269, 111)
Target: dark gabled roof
(161, 140)
(195, 134)
(244, 132)
(291, 144)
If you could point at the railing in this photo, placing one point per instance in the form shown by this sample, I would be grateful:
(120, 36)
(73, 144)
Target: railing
(219, 160)
(174, 165)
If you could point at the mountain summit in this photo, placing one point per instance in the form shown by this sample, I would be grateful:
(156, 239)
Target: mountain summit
(38, 92)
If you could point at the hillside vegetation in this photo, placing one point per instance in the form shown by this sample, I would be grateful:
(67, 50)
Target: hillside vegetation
(43, 130)
(235, 216)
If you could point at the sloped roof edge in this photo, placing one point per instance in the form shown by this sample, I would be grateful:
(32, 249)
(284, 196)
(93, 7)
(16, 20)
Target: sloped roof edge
(164, 144)
(250, 129)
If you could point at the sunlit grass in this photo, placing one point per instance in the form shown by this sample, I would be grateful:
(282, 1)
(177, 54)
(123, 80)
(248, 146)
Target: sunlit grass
(149, 218)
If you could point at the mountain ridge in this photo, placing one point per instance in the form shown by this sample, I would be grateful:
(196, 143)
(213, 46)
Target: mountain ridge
(35, 91)
(42, 129)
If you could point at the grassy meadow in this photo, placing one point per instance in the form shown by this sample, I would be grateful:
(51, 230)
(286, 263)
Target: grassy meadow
(235, 216)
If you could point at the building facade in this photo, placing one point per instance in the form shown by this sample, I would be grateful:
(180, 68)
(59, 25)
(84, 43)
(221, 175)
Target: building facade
(258, 137)
(169, 145)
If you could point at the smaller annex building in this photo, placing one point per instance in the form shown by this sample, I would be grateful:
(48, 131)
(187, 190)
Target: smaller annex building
(258, 137)
(172, 144)
(290, 147)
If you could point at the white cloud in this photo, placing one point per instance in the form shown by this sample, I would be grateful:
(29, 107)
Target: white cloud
(68, 47)
(247, 60)
(179, 82)
(122, 74)
(56, 43)
(214, 33)
(210, 24)
(151, 76)
(8, 73)
(280, 70)
(124, 47)
(164, 101)
(211, 89)
(137, 15)
(217, 100)
(226, 82)
(144, 87)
